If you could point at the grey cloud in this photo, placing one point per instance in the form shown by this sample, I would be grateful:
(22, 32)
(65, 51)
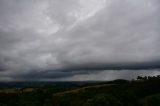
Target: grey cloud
(66, 37)
(106, 75)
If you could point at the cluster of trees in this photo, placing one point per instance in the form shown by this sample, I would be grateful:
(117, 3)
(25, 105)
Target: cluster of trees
(148, 77)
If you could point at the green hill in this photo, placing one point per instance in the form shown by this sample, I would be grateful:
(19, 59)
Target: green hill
(116, 93)
(145, 91)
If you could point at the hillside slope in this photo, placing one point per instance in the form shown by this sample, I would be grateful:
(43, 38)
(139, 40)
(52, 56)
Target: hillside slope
(116, 93)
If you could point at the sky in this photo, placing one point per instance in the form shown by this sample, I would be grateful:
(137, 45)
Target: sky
(78, 40)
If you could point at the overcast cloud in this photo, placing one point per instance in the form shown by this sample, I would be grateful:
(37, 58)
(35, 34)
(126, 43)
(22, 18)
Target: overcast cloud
(78, 39)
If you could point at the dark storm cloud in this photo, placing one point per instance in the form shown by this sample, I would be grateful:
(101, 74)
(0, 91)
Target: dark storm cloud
(71, 38)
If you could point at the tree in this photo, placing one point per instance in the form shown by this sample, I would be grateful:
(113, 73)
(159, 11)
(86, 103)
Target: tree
(139, 78)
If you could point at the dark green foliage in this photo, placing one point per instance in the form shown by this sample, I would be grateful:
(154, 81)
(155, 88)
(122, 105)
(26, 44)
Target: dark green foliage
(153, 100)
(103, 100)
